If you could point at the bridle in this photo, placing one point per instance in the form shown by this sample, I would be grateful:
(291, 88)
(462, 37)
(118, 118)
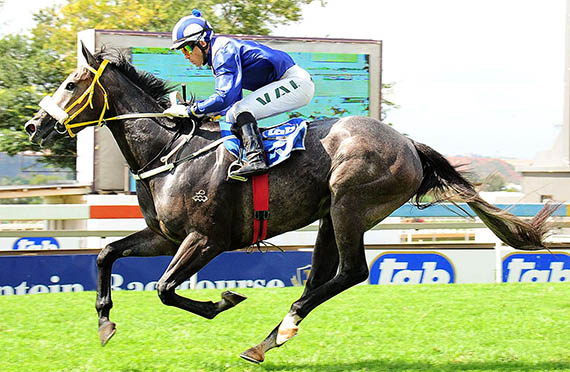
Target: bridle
(63, 118)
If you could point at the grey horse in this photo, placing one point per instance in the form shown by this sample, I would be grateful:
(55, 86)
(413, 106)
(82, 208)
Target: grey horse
(355, 172)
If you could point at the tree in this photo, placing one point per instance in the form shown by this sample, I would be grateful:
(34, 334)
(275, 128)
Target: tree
(33, 65)
(27, 72)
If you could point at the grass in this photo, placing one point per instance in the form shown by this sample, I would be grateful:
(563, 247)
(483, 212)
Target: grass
(490, 327)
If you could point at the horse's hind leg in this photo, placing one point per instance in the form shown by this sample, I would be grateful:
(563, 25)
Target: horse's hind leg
(194, 253)
(324, 267)
(142, 243)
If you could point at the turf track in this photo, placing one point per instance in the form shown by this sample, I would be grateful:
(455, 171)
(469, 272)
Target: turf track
(509, 327)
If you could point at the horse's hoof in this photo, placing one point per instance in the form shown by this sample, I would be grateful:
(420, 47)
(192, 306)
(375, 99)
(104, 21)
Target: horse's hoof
(254, 355)
(106, 331)
(233, 298)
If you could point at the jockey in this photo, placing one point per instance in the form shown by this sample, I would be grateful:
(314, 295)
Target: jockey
(277, 83)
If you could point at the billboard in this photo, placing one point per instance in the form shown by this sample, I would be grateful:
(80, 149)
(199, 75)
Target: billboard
(347, 76)
(20, 275)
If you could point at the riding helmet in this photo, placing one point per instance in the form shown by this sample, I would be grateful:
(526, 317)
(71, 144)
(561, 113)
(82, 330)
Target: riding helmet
(191, 29)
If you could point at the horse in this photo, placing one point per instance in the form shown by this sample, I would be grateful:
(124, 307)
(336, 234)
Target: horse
(354, 173)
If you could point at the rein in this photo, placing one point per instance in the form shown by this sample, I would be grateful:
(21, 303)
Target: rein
(62, 115)
(63, 118)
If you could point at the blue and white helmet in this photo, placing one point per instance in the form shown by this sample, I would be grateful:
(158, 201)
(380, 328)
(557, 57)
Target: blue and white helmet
(191, 29)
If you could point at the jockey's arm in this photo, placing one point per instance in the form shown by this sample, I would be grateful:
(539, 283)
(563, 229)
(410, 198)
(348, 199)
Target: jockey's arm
(228, 91)
(226, 66)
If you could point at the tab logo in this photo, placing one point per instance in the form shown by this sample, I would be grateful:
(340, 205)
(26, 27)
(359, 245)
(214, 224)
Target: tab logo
(411, 268)
(35, 244)
(536, 267)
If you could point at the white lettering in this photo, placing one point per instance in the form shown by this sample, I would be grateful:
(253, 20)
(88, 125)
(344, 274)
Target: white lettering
(22, 288)
(524, 271)
(225, 284)
(151, 286)
(72, 287)
(135, 286)
(431, 275)
(559, 274)
(275, 283)
(183, 286)
(408, 277)
(6, 291)
(516, 266)
(205, 284)
(54, 288)
(535, 276)
(29, 244)
(387, 268)
(116, 282)
(39, 289)
(394, 272)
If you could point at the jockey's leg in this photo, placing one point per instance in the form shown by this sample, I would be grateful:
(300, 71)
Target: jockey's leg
(295, 89)
(246, 127)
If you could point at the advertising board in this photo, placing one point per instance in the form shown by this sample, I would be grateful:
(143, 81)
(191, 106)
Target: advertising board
(536, 267)
(21, 275)
(447, 265)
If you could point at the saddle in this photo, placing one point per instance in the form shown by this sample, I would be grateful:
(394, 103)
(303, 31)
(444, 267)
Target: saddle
(278, 142)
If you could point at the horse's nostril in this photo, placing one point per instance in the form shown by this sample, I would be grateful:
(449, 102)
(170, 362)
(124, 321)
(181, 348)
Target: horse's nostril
(31, 129)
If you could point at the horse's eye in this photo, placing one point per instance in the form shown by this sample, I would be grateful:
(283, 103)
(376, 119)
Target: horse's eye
(70, 86)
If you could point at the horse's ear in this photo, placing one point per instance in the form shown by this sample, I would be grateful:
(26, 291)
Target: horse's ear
(91, 61)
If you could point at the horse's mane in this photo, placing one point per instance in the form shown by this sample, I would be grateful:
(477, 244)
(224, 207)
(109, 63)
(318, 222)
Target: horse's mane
(153, 86)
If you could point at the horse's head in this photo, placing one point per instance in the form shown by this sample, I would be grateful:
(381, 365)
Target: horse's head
(79, 101)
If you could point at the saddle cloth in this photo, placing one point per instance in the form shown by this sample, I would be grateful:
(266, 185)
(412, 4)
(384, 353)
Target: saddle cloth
(279, 141)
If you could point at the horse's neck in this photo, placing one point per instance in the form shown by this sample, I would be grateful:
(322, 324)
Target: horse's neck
(139, 139)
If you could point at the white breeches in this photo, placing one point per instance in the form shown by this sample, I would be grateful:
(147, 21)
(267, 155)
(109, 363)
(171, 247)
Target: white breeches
(295, 89)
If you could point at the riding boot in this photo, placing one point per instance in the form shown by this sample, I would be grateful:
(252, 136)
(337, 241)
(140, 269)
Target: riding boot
(254, 151)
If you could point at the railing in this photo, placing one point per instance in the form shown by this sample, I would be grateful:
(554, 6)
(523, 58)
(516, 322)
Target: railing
(83, 213)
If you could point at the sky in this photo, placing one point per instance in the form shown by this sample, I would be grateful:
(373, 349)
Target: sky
(471, 77)
(481, 77)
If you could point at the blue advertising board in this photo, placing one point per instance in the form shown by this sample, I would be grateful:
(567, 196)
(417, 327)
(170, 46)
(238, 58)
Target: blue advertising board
(536, 267)
(411, 268)
(35, 243)
(74, 273)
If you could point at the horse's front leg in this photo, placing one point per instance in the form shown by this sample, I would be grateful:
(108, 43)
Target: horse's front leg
(142, 243)
(194, 253)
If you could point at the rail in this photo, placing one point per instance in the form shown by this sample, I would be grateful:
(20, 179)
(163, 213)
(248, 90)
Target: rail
(82, 212)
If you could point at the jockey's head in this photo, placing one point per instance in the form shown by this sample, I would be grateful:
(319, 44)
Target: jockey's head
(190, 31)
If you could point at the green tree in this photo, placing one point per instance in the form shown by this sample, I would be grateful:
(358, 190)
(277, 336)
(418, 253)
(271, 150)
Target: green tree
(34, 65)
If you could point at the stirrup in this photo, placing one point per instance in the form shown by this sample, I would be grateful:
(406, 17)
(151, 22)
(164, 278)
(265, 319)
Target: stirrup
(238, 164)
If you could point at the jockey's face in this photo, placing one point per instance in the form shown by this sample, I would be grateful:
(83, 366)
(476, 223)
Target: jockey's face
(194, 54)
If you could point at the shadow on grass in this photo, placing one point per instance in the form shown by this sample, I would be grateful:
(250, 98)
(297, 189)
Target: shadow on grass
(399, 365)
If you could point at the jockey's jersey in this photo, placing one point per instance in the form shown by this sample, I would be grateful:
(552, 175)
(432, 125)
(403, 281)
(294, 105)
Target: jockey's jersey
(241, 64)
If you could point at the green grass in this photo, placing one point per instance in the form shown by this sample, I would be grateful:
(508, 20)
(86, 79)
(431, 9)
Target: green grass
(509, 327)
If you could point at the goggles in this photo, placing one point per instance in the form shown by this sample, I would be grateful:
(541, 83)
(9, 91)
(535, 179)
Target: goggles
(187, 49)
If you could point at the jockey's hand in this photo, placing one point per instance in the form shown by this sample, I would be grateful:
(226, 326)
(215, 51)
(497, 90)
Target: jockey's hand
(192, 112)
(177, 111)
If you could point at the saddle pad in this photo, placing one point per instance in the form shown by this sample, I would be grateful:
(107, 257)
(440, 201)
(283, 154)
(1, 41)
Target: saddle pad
(279, 141)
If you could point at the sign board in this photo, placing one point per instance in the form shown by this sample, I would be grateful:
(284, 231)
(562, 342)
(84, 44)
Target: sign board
(21, 275)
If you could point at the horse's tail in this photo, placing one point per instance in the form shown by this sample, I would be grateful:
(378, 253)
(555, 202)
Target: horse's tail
(446, 183)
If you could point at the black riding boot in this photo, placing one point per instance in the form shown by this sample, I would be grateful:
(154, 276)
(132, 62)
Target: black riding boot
(253, 146)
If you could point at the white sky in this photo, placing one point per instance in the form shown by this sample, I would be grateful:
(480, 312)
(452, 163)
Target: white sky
(492, 67)
(471, 76)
